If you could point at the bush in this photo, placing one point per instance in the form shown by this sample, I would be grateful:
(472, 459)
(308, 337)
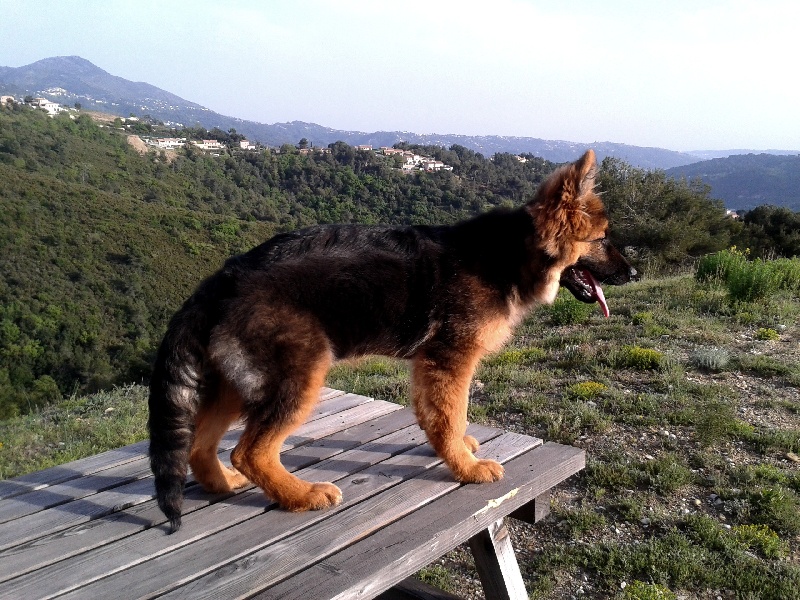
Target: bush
(746, 280)
(751, 281)
(569, 311)
(761, 539)
(711, 359)
(767, 334)
(641, 359)
(718, 266)
(586, 390)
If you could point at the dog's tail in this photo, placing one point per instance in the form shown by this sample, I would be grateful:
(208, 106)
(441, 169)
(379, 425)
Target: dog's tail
(174, 399)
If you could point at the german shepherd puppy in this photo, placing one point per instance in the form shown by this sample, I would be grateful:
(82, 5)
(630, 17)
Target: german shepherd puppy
(257, 338)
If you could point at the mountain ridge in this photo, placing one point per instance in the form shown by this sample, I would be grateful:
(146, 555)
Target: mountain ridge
(70, 79)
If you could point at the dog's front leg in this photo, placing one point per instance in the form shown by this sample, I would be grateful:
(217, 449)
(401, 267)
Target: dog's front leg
(440, 393)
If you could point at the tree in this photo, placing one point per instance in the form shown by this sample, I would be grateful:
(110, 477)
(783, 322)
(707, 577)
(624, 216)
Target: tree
(302, 144)
(669, 222)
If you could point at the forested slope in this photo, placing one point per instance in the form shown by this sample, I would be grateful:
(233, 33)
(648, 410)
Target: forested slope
(100, 244)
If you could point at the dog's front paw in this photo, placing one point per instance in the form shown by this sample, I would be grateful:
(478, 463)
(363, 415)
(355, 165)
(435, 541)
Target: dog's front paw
(319, 496)
(483, 471)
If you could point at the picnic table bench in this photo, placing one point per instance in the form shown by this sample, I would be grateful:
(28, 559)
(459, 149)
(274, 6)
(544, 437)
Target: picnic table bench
(91, 528)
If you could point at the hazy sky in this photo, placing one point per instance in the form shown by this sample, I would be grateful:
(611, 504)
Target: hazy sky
(680, 74)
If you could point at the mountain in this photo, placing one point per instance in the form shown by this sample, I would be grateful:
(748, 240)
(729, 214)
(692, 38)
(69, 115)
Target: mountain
(745, 181)
(71, 79)
(709, 154)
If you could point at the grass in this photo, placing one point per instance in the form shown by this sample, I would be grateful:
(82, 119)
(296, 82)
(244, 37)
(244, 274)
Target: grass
(685, 399)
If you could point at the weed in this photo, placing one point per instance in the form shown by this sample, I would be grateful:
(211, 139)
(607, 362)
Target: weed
(763, 365)
(574, 420)
(717, 422)
(580, 520)
(666, 474)
(437, 576)
(516, 357)
(639, 590)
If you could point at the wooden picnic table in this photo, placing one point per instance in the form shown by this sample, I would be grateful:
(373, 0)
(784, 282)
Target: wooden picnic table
(91, 528)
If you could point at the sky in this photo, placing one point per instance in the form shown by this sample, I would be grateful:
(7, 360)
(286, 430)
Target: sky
(681, 75)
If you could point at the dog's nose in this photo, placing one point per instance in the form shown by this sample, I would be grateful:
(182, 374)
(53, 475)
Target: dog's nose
(633, 274)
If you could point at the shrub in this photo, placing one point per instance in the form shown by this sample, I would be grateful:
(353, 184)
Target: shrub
(569, 311)
(718, 266)
(586, 390)
(750, 281)
(641, 359)
(761, 539)
(711, 359)
(747, 280)
(767, 334)
(666, 474)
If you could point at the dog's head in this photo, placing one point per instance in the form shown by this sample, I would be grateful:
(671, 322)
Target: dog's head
(572, 229)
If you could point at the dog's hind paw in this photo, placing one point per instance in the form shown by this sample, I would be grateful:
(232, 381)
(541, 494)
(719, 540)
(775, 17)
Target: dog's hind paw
(483, 471)
(471, 443)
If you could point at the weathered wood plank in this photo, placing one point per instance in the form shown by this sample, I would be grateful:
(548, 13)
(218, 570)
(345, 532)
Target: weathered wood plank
(284, 557)
(267, 528)
(497, 564)
(94, 506)
(390, 555)
(94, 534)
(116, 457)
(391, 434)
(99, 465)
(77, 468)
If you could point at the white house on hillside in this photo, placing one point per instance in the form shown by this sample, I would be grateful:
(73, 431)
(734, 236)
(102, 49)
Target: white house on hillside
(51, 108)
(209, 145)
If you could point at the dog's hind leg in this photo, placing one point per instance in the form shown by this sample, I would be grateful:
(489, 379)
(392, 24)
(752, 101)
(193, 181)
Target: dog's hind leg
(285, 407)
(440, 392)
(212, 421)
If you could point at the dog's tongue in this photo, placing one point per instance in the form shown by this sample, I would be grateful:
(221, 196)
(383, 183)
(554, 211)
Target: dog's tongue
(597, 292)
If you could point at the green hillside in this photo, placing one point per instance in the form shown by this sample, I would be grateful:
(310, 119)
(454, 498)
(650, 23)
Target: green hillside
(100, 244)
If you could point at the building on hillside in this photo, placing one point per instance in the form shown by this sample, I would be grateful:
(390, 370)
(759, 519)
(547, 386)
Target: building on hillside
(368, 148)
(392, 151)
(435, 165)
(167, 143)
(7, 100)
(51, 108)
(209, 145)
(247, 145)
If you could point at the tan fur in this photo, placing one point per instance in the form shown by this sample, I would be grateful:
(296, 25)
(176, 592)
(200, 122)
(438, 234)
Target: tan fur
(211, 423)
(257, 454)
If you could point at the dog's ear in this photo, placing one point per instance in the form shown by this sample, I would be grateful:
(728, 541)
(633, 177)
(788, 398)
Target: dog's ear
(586, 166)
(565, 208)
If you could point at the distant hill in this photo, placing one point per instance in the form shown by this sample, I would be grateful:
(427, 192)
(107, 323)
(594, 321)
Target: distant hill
(749, 180)
(70, 79)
